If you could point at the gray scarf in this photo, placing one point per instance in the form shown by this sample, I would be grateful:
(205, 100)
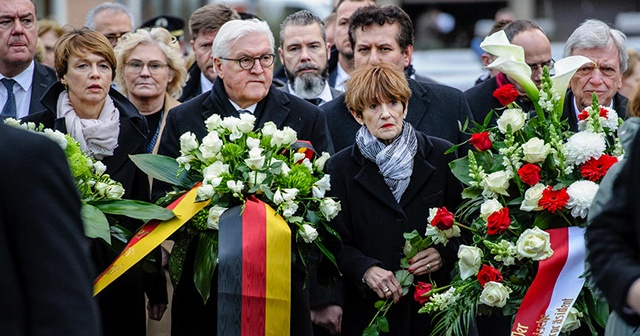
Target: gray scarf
(395, 160)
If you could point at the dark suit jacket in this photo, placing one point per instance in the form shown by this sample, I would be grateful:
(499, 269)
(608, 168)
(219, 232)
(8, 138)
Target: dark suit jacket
(481, 101)
(190, 316)
(45, 273)
(192, 87)
(568, 112)
(43, 78)
(371, 225)
(434, 109)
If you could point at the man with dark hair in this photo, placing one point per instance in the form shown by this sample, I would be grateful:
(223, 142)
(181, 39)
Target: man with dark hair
(537, 54)
(304, 53)
(385, 34)
(204, 24)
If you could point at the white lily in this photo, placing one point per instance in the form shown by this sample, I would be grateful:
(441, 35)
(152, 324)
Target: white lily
(565, 68)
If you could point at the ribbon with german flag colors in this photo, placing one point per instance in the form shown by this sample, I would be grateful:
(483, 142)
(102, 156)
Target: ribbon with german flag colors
(150, 236)
(254, 271)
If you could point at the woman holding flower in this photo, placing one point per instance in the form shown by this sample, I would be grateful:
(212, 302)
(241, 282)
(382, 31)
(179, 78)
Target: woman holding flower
(386, 183)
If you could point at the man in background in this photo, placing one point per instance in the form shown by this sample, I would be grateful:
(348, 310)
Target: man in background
(112, 19)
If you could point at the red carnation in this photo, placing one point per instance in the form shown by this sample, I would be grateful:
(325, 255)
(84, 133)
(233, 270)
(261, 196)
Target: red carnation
(603, 112)
(529, 173)
(481, 141)
(488, 273)
(506, 94)
(421, 294)
(583, 115)
(498, 222)
(595, 169)
(553, 200)
(443, 219)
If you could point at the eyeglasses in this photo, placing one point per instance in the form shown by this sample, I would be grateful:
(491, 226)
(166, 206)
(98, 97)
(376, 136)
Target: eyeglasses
(538, 66)
(247, 63)
(137, 66)
(113, 38)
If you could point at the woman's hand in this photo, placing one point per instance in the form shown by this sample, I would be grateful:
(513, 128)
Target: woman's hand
(383, 282)
(426, 261)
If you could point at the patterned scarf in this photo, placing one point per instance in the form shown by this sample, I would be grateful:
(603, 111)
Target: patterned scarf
(395, 160)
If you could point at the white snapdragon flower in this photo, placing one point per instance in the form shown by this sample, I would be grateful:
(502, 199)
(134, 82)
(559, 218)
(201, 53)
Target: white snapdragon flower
(57, 137)
(494, 294)
(329, 208)
(99, 168)
(308, 233)
(581, 194)
(535, 150)
(469, 260)
(289, 209)
(321, 186)
(534, 244)
(213, 220)
(511, 117)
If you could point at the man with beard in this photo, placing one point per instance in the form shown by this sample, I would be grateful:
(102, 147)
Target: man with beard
(304, 53)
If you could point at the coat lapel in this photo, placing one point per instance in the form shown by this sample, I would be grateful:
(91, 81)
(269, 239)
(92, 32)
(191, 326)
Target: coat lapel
(274, 107)
(129, 140)
(422, 171)
(372, 181)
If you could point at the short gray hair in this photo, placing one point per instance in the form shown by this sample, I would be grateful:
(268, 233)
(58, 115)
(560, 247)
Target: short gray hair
(302, 18)
(593, 34)
(103, 7)
(233, 30)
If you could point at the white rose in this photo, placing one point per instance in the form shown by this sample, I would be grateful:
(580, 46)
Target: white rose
(57, 136)
(531, 198)
(211, 145)
(497, 182)
(102, 188)
(289, 136)
(322, 160)
(432, 214)
(214, 170)
(290, 194)
(205, 191)
(184, 161)
(99, 168)
(469, 260)
(572, 321)
(494, 294)
(269, 128)
(256, 179)
(115, 191)
(213, 122)
(488, 207)
(289, 209)
(277, 138)
(514, 117)
(297, 157)
(308, 233)
(188, 143)
(535, 244)
(256, 159)
(246, 122)
(253, 143)
(329, 208)
(214, 216)
(535, 150)
(230, 123)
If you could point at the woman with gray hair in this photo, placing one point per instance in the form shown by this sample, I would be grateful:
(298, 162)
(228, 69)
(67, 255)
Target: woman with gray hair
(151, 73)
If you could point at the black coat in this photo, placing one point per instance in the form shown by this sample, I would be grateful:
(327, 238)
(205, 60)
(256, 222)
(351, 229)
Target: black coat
(481, 101)
(192, 87)
(45, 272)
(371, 225)
(568, 111)
(434, 109)
(190, 316)
(43, 78)
(122, 303)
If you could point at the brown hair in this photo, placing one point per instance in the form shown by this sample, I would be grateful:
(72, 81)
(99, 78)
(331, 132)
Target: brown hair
(634, 58)
(80, 42)
(210, 18)
(45, 25)
(372, 84)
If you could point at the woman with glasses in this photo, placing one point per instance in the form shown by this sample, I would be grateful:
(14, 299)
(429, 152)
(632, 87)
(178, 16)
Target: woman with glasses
(109, 128)
(151, 73)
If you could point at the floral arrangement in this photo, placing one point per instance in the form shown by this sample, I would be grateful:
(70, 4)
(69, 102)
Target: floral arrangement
(526, 175)
(101, 196)
(233, 162)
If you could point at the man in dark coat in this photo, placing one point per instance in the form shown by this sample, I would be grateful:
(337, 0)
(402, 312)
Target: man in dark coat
(45, 270)
(434, 109)
(243, 56)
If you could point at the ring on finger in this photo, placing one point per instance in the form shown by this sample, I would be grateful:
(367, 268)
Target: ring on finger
(386, 290)
(428, 266)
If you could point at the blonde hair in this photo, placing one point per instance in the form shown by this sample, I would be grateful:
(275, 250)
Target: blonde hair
(372, 84)
(169, 46)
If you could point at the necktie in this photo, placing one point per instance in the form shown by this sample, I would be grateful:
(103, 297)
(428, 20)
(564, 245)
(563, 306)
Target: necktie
(243, 111)
(9, 109)
(314, 101)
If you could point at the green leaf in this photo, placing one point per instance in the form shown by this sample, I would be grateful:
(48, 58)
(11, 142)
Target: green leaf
(177, 257)
(460, 168)
(543, 220)
(410, 235)
(206, 262)
(134, 209)
(162, 168)
(95, 223)
(326, 252)
(379, 304)
(383, 323)
(371, 331)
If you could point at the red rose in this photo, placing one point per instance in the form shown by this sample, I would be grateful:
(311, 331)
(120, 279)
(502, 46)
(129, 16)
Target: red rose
(529, 173)
(443, 219)
(595, 169)
(583, 115)
(506, 94)
(421, 295)
(498, 222)
(553, 200)
(603, 112)
(481, 141)
(488, 273)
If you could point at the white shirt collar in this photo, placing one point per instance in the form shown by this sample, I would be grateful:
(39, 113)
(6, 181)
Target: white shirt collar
(341, 77)
(250, 108)
(325, 95)
(205, 83)
(25, 78)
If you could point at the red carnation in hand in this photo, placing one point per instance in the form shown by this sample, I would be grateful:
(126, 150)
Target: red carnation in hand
(506, 94)
(443, 219)
(498, 222)
(595, 169)
(529, 173)
(420, 295)
(481, 141)
(488, 273)
(583, 115)
(553, 200)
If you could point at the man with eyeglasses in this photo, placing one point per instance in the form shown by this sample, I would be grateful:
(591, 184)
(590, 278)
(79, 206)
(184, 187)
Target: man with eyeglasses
(24, 80)
(112, 19)
(243, 57)
(537, 54)
(606, 47)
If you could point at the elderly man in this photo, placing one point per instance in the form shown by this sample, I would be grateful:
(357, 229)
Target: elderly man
(537, 54)
(204, 24)
(112, 19)
(385, 34)
(606, 47)
(243, 57)
(304, 53)
(24, 80)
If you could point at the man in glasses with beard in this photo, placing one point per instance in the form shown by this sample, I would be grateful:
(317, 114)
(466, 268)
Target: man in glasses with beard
(304, 53)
